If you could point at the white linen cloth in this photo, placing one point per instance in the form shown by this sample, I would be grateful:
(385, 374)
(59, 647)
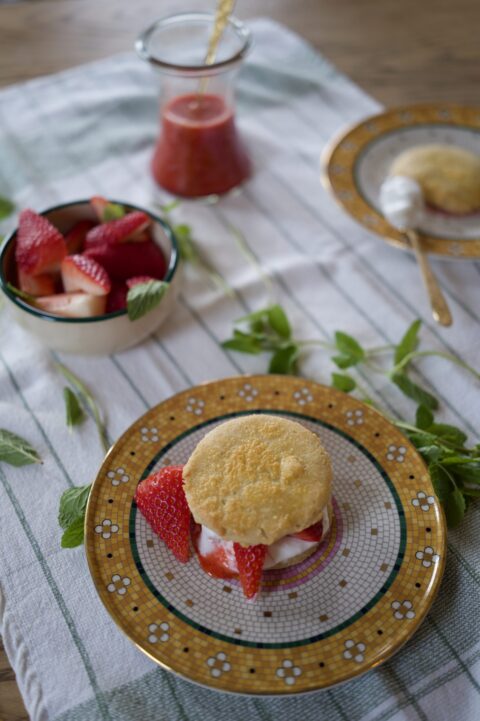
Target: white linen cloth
(90, 131)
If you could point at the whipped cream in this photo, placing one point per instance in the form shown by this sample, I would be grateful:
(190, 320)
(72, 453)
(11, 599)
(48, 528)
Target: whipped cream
(279, 552)
(402, 203)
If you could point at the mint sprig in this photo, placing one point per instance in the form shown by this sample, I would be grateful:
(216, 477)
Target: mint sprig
(87, 399)
(267, 331)
(454, 467)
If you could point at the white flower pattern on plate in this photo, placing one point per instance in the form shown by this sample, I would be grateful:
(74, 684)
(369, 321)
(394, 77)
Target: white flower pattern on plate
(427, 556)
(106, 528)
(288, 671)
(403, 609)
(354, 418)
(218, 664)
(354, 651)
(195, 405)
(149, 434)
(118, 476)
(118, 584)
(248, 393)
(303, 397)
(423, 501)
(396, 453)
(158, 632)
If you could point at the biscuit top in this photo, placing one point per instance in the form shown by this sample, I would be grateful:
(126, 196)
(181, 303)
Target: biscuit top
(258, 478)
(449, 176)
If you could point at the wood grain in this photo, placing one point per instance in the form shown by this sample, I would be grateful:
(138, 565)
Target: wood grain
(399, 52)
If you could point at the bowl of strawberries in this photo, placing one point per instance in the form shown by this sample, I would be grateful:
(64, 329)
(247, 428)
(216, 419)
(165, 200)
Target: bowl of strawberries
(93, 276)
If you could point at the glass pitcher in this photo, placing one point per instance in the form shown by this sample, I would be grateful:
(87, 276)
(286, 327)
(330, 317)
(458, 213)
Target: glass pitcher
(198, 152)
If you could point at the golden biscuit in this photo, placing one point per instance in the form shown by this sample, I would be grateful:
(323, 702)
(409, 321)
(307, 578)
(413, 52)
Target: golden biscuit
(258, 478)
(449, 176)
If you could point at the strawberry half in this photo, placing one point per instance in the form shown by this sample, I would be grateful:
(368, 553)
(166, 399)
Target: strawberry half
(81, 273)
(161, 500)
(36, 284)
(72, 305)
(40, 247)
(75, 238)
(127, 260)
(117, 231)
(250, 560)
(312, 533)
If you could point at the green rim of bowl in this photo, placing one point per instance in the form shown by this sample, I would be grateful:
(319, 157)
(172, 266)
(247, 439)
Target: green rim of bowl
(172, 265)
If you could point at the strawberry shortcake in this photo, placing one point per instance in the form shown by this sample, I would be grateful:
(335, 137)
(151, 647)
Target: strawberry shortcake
(254, 495)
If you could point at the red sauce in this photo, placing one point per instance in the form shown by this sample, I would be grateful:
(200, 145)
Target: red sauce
(215, 564)
(199, 152)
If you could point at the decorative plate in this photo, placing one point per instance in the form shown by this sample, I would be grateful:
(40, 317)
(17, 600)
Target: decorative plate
(356, 164)
(339, 613)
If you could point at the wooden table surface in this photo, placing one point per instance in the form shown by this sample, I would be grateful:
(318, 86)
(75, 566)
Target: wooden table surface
(399, 51)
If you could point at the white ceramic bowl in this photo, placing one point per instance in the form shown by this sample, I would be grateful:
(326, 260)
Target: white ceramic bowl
(103, 334)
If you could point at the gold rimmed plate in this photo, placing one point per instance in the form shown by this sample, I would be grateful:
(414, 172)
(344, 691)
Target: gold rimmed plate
(356, 164)
(339, 613)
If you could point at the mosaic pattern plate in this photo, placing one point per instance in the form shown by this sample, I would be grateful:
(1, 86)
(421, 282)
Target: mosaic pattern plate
(345, 609)
(356, 164)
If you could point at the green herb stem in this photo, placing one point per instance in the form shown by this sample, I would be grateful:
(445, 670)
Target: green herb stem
(423, 354)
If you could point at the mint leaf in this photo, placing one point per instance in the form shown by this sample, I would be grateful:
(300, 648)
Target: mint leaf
(344, 361)
(6, 207)
(343, 382)
(243, 345)
(73, 503)
(168, 207)
(279, 321)
(144, 297)
(441, 480)
(284, 360)
(257, 315)
(454, 506)
(16, 450)
(74, 534)
(186, 245)
(408, 343)
(450, 434)
(88, 400)
(414, 391)
(424, 418)
(349, 346)
(112, 211)
(74, 411)
(429, 453)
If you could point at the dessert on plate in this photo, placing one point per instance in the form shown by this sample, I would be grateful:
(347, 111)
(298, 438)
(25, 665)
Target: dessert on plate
(448, 175)
(254, 495)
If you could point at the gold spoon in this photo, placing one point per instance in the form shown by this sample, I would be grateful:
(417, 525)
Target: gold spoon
(402, 203)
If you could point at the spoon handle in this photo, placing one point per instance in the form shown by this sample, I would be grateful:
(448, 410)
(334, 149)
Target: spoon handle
(440, 309)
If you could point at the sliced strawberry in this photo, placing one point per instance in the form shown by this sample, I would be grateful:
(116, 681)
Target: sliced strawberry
(127, 260)
(139, 279)
(99, 204)
(72, 305)
(40, 246)
(36, 284)
(81, 273)
(117, 231)
(117, 298)
(312, 533)
(161, 500)
(75, 238)
(250, 560)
